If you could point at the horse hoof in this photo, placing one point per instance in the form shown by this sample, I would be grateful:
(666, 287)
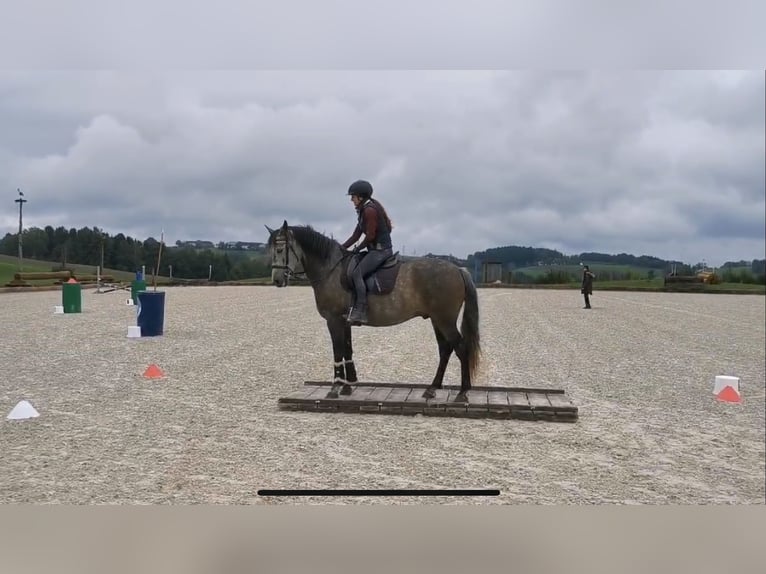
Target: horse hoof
(332, 395)
(346, 390)
(461, 398)
(429, 393)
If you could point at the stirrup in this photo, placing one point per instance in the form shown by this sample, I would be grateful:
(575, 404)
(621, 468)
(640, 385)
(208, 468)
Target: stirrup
(357, 316)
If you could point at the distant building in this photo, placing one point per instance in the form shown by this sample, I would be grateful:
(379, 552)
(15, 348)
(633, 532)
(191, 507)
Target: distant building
(491, 272)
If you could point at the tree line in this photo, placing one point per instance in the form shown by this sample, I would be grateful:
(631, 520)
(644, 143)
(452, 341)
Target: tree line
(124, 253)
(515, 257)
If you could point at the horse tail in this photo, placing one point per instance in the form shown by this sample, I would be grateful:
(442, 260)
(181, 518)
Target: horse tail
(469, 328)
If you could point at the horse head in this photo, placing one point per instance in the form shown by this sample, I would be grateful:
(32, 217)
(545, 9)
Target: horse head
(286, 255)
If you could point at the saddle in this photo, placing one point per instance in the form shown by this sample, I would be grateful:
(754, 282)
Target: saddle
(379, 282)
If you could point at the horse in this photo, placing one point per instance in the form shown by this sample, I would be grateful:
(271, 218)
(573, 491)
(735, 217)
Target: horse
(398, 291)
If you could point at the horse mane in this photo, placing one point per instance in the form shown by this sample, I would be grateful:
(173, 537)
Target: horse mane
(313, 242)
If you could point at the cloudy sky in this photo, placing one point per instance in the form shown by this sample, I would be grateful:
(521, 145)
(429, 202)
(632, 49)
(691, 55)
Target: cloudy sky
(659, 163)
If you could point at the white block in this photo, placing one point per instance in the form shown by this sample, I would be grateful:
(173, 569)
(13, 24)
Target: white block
(129, 302)
(23, 410)
(723, 381)
(58, 309)
(134, 331)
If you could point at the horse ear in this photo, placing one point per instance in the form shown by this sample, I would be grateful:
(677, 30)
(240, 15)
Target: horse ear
(269, 229)
(284, 225)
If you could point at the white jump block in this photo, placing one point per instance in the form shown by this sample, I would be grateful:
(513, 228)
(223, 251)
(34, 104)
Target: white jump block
(129, 302)
(723, 381)
(58, 309)
(23, 410)
(134, 331)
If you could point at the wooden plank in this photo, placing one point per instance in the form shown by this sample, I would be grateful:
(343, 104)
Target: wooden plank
(561, 402)
(415, 402)
(320, 400)
(518, 401)
(497, 401)
(542, 415)
(399, 395)
(344, 403)
(416, 396)
(373, 401)
(379, 395)
(318, 393)
(297, 396)
(342, 407)
(456, 409)
(306, 402)
(452, 408)
(439, 402)
(566, 417)
(395, 400)
(539, 402)
(357, 396)
(448, 387)
(398, 399)
(478, 400)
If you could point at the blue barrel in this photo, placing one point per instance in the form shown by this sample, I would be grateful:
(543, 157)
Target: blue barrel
(151, 313)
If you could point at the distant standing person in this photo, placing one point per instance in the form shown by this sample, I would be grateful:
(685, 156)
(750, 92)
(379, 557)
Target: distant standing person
(587, 285)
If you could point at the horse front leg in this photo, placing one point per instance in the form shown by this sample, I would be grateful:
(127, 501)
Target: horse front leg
(336, 326)
(348, 358)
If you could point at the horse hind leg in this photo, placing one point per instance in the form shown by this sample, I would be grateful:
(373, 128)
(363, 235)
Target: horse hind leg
(445, 351)
(455, 341)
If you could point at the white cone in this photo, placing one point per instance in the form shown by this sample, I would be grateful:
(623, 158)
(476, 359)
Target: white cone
(23, 410)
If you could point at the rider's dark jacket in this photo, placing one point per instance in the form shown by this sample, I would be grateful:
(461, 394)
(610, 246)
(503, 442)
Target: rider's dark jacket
(373, 225)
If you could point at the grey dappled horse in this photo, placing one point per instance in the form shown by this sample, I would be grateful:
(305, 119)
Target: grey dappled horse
(424, 287)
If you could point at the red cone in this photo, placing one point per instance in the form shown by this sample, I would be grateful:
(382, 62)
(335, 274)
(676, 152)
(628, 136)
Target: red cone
(729, 395)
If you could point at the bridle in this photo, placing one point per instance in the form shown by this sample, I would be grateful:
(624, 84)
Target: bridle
(289, 271)
(301, 274)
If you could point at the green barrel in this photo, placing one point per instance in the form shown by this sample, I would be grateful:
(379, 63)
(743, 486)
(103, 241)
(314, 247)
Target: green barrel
(136, 287)
(71, 295)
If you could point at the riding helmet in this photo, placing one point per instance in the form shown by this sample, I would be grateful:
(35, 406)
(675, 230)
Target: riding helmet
(361, 188)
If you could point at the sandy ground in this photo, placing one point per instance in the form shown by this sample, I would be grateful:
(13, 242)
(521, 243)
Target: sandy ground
(640, 367)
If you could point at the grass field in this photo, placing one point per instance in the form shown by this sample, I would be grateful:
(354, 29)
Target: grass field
(9, 266)
(656, 284)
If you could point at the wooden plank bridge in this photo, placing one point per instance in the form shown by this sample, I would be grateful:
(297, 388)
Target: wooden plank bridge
(406, 399)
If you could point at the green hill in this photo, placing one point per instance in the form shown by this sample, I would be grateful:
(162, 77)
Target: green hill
(605, 270)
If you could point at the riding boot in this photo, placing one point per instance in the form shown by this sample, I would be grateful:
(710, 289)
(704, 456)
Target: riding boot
(358, 313)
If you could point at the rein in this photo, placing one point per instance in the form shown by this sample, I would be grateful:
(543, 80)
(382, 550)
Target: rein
(290, 272)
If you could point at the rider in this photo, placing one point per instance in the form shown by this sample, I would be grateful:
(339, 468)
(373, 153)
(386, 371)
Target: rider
(374, 223)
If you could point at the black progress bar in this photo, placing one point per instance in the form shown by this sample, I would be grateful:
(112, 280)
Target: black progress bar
(381, 492)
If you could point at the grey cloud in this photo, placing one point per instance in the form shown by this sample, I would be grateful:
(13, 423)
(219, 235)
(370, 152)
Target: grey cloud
(463, 161)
